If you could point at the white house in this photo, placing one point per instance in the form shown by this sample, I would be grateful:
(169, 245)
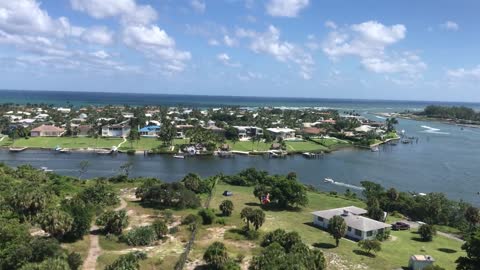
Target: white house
(419, 262)
(282, 133)
(245, 133)
(358, 226)
(116, 130)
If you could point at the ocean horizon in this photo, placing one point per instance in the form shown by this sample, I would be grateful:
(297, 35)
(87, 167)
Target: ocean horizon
(82, 98)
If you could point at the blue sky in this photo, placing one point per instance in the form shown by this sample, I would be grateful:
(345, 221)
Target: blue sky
(408, 50)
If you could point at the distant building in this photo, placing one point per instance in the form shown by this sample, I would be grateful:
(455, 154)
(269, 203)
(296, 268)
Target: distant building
(116, 130)
(358, 226)
(282, 133)
(149, 131)
(419, 262)
(313, 131)
(246, 132)
(84, 130)
(47, 131)
(64, 110)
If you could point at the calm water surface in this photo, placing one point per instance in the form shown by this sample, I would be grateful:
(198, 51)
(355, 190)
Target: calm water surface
(445, 159)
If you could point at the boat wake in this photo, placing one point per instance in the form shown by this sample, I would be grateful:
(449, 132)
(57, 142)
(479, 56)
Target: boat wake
(331, 181)
(380, 117)
(432, 130)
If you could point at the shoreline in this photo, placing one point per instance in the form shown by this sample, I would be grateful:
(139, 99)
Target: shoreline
(427, 119)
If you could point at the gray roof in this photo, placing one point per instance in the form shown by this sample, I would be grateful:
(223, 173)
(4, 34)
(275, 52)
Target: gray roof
(351, 215)
(328, 214)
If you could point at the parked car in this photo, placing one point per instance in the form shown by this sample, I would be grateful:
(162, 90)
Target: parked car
(400, 226)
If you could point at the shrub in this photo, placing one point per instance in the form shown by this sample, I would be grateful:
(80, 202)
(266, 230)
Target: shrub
(190, 218)
(220, 221)
(174, 230)
(160, 228)
(216, 255)
(252, 235)
(141, 236)
(427, 232)
(128, 261)
(370, 245)
(74, 260)
(226, 207)
(113, 221)
(207, 215)
(383, 236)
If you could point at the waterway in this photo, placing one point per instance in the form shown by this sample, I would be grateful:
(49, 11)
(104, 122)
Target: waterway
(445, 159)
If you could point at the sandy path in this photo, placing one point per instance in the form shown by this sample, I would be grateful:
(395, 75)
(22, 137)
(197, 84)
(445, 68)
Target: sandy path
(120, 144)
(95, 250)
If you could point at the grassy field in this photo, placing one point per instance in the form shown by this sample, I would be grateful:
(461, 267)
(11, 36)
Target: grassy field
(248, 146)
(85, 142)
(305, 146)
(395, 252)
(332, 143)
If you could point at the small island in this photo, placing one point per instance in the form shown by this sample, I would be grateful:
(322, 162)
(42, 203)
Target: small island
(461, 115)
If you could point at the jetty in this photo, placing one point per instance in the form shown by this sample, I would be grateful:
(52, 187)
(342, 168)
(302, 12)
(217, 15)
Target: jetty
(312, 155)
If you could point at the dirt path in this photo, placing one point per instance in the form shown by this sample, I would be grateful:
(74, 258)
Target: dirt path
(1, 139)
(95, 250)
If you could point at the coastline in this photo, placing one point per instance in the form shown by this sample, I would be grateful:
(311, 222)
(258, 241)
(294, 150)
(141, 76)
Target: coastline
(427, 119)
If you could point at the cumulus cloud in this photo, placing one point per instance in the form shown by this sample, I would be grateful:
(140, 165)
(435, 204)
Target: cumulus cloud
(128, 10)
(139, 31)
(369, 41)
(450, 26)
(285, 8)
(198, 5)
(331, 25)
(98, 35)
(156, 44)
(269, 43)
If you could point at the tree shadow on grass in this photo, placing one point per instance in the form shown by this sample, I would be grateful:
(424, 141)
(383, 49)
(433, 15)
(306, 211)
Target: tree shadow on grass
(418, 239)
(363, 253)
(324, 245)
(447, 250)
(274, 207)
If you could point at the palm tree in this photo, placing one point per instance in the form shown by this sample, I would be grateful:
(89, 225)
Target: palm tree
(246, 215)
(337, 228)
(55, 222)
(257, 218)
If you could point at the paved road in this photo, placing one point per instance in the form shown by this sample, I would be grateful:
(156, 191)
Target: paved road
(415, 225)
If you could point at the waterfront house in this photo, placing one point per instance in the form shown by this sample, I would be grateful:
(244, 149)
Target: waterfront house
(419, 262)
(313, 131)
(364, 128)
(149, 131)
(47, 131)
(116, 130)
(282, 133)
(83, 130)
(358, 226)
(247, 132)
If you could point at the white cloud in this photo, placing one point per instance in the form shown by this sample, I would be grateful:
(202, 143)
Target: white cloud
(331, 25)
(369, 41)
(286, 8)
(198, 5)
(465, 74)
(213, 42)
(450, 26)
(249, 75)
(269, 42)
(101, 54)
(27, 18)
(225, 59)
(156, 44)
(128, 10)
(98, 35)
(230, 42)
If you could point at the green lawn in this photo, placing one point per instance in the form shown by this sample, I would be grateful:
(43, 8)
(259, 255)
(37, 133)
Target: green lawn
(65, 142)
(249, 146)
(332, 143)
(395, 252)
(85, 142)
(304, 146)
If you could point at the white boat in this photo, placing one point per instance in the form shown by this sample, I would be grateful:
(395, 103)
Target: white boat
(46, 169)
(328, 180)
(179, 156)
(374, 149)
